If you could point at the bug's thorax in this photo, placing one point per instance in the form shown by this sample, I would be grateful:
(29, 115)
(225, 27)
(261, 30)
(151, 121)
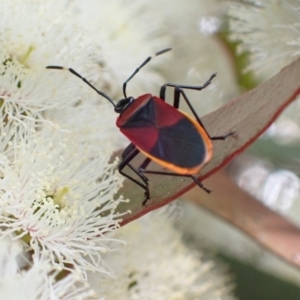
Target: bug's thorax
(131, 107)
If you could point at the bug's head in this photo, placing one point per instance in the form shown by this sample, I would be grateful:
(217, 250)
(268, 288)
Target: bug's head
(123, 103)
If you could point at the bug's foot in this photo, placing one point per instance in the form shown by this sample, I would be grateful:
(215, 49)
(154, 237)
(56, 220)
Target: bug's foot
(223, 137)
(147, 197)
(209, 80)
(208, 191)
(231, 133)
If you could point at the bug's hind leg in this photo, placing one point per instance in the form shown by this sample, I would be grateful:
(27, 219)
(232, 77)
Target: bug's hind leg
(128, 155)
(199, 183)
(179, 175)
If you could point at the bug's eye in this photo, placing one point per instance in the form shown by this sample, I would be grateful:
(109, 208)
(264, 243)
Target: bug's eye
(122, 104)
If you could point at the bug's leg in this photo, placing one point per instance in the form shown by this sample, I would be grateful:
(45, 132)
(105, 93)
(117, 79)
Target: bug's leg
(178, 90)
(200, 184)
(141, 170)
(144, 165)
(162, 93)
(180, 175)
(127, 156)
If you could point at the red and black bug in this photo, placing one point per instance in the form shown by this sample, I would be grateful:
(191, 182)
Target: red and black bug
(160, 131)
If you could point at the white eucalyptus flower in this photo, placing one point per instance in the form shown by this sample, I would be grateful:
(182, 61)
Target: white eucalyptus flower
(93, 124)
(127, 32)
(35, 34)
(156, 265)
(198, 51)
(59, 197)
(35, 281)
(12, 257)
(269, 31)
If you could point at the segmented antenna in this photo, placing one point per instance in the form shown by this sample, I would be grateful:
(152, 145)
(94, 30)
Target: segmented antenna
(142, 65)
(85, 80)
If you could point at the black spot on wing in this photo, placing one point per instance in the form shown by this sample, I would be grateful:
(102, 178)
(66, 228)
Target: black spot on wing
(180, 144)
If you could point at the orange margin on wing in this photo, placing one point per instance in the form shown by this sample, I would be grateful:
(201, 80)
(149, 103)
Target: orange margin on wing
(187, 171)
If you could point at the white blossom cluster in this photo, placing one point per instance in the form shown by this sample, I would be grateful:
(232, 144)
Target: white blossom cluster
(160, 266)
(268, 30)
(58, 183)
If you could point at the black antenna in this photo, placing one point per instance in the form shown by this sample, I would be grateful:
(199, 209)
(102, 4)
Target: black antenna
(85, 80)
(143, 64)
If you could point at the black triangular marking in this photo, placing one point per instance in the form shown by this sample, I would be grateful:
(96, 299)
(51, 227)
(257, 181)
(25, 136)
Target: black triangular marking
(180, 144)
